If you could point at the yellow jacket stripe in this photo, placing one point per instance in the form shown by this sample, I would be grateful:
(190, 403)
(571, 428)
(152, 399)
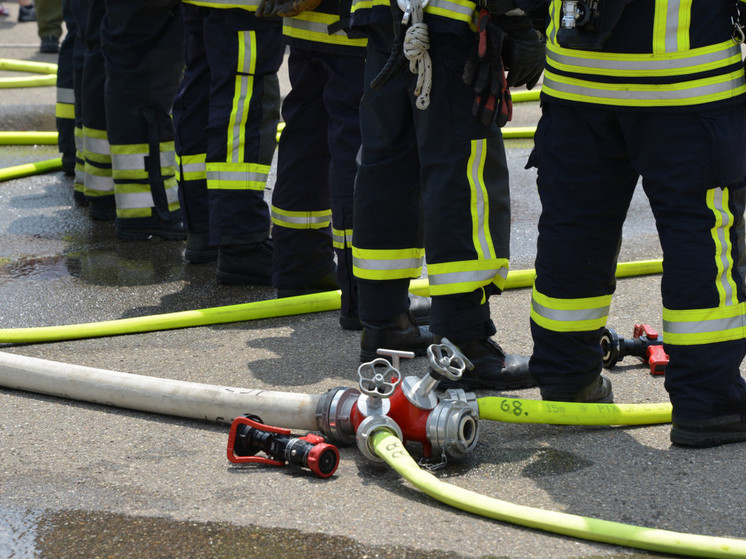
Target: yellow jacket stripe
(466, 276)
(570, 315)
(192, 166)
(664, 70)
(314, 26)
(250, 5)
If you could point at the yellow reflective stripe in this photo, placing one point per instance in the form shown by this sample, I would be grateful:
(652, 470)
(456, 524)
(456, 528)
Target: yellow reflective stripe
(460, 10)
(704, 326)
(569, 315)
(660, 26)
(192, 166)
(717, 201)
(479, 202)
(314, 26)
(243, 92)
(249, 5)
(684, 24)
(630, 65)
(693, 92)
(301, 219)
(341, 238)
(387, 264)
(236, 176)
(64, 110)
(367, 4)
(97, 180)
(466, 276)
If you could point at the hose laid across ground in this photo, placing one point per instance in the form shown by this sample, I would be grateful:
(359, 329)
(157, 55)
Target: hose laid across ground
(391, 450)
(27, 66)
(272, 308)
(518, 410)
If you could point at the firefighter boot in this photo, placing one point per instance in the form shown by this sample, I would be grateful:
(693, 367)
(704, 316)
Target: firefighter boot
(401, 332)
(199, 250)
(493, 368)
(704, 433)
(418, 306)
(597, 392)
(245, 264)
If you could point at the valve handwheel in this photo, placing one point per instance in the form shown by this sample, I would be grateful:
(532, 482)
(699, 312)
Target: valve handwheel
(378, 378)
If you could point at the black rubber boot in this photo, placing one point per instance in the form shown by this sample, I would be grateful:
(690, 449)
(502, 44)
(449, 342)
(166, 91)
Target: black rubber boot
(401, 333)
(705, 433)
(493, 368)
(418, 306)
(597, 392)
(324, 283)
(199, 250)
(245, 264)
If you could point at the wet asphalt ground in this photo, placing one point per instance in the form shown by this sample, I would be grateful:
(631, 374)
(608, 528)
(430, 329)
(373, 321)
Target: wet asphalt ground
(85, 480)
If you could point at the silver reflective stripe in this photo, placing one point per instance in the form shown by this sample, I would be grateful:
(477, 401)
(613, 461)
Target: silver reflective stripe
(195, 167)
(569, 315)
(317, 27)
(477, 182)
(658, 94)
(463, 277)
(138, 200)
(302, 220)
(465, 11)
(399, 264)
(99, 146)
(703, 326)
(99, 183)
(647, 64)
(672, 25)
(65, 95)
(246, 90)
(136, 161)
(723, 241)
(236, 176)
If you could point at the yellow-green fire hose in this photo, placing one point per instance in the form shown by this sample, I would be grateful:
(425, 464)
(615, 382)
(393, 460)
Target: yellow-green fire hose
(518, 410)
(272, 308)
(391, 450)
(27, 66)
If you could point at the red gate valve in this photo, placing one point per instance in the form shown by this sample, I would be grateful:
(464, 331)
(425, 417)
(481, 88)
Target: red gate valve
(248, 435)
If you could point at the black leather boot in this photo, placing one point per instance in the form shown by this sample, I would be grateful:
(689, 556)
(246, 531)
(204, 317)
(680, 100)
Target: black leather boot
(418, 306)
(401, 333)
(199, 250)
(597, 392)
(705, 433)
(245, 264)
(493, 368)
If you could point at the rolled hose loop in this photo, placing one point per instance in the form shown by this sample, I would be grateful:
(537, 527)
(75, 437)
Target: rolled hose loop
(392, 451)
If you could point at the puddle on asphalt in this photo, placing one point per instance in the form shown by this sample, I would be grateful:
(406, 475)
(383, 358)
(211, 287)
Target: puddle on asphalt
(65, 534)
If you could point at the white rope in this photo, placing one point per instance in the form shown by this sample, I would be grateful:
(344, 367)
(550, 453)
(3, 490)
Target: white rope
(416, 43)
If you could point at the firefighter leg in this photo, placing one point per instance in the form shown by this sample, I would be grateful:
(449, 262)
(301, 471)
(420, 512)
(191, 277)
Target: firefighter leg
(688, 176)
(585, 184)
(303, 260)
(142, 44)
(190, 116)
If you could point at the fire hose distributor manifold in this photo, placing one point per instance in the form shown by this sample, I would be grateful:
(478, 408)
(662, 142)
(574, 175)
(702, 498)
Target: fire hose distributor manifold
(445, 424)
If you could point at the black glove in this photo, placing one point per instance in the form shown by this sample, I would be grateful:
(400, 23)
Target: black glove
(524, 52)
(284, 8)
(484, 71)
